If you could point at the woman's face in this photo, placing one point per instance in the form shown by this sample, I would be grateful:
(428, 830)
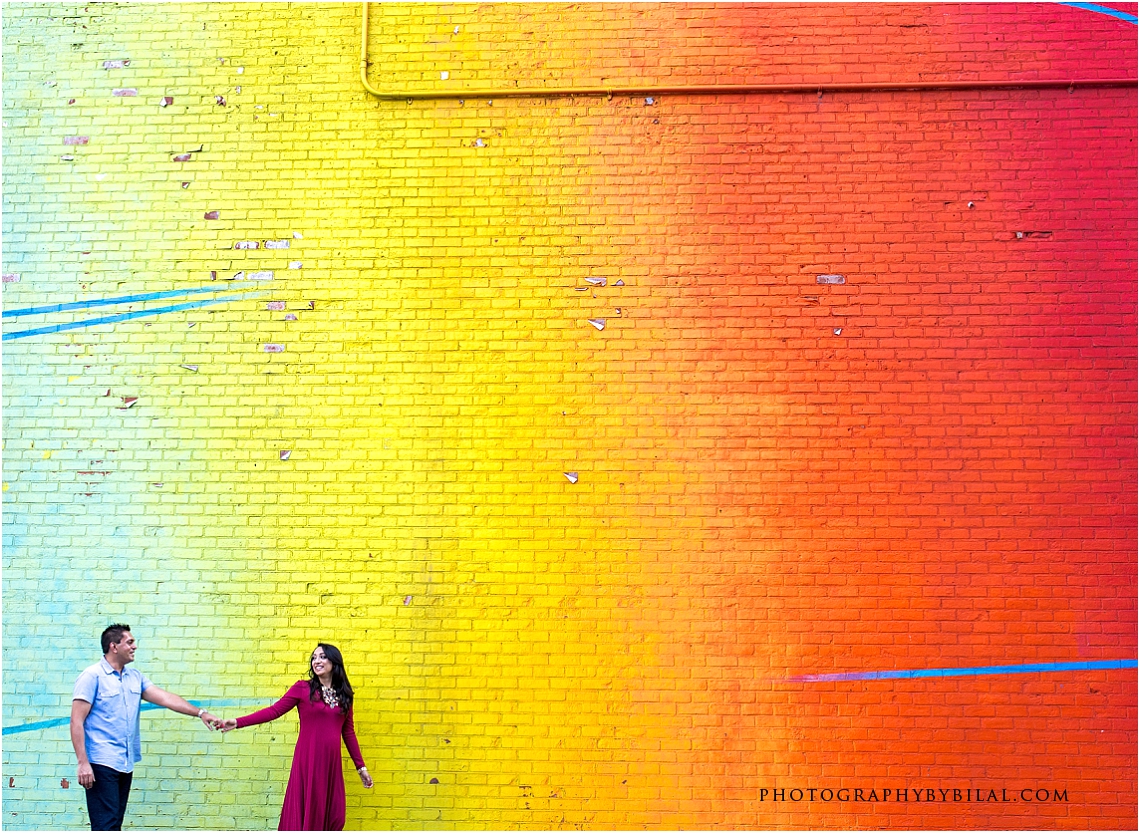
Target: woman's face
(322, 665)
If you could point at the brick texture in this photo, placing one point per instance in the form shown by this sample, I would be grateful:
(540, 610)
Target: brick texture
(595, 431)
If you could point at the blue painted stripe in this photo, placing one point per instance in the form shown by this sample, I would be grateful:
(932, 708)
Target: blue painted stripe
(123, 299)
(1108, 10)
(146, 707)
(126, 316)
(1037, 668)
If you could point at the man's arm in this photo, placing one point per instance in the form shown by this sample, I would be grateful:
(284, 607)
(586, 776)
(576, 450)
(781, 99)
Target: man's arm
(156, 695)
(79, 711)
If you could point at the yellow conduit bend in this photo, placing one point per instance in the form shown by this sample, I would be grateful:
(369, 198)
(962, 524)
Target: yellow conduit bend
(713, 89)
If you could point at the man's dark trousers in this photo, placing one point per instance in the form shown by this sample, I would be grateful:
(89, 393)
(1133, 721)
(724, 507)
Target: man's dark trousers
(107, 800)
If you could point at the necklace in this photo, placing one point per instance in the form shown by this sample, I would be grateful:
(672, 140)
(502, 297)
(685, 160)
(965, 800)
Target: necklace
(328, 694)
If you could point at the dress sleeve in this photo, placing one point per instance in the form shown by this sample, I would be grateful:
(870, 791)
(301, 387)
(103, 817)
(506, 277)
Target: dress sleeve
(289, 701)
(348, 732)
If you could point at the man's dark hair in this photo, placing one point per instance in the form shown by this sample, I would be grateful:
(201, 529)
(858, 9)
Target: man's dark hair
(113, 635)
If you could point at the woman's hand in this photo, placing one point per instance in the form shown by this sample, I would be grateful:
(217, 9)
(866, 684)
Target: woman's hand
(227, 725)
(365, 778)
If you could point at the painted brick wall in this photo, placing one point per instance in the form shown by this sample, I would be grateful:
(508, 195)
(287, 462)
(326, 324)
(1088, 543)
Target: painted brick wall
(623, 445)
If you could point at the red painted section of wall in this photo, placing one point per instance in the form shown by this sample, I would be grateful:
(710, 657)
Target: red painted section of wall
(938, 455)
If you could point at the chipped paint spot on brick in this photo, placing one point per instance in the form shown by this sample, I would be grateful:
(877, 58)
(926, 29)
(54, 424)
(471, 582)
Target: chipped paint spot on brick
(185, 157)
(275, 305)
(572, 476)
(830, 279)
(286, 454)
(166, 101)
(210, 215)
(277, 244)
(121, 63)
(260, 276)
(220, 100)
(291, 317)
(597, 323)
(63, 782)
(193, 368)
(247, 244)
(273, 348)
(294, 264)
(125, 92)
(76, 140)
(11, 277)
(128, 402)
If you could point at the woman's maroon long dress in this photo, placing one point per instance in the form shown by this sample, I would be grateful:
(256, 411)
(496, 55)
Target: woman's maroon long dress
(314, 798)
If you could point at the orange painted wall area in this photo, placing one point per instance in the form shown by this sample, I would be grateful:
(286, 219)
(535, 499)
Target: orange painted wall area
(657, 460)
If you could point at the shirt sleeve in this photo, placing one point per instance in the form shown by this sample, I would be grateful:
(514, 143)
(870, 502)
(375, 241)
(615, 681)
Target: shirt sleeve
(288, 702)
(85, 688)
(348, 732)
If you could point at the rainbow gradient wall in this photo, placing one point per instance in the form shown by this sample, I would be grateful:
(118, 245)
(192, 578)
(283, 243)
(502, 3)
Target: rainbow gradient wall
(657, 460)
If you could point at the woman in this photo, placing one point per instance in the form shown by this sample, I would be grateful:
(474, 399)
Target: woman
(314, 798)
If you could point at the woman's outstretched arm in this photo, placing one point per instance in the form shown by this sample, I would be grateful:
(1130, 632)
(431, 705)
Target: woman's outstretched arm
(289, 701)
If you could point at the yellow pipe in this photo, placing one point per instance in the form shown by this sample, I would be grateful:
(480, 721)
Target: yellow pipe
(713, 89)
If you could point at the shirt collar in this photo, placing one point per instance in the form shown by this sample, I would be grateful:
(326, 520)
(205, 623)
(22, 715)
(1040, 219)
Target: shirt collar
(108, 668)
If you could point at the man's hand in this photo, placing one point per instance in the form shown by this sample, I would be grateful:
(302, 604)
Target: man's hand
(210, 721)
(86, 776)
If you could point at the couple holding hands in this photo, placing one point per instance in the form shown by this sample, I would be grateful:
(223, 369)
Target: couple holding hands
(105, 734)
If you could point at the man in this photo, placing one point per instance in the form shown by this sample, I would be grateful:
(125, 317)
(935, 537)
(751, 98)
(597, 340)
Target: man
(105, 726)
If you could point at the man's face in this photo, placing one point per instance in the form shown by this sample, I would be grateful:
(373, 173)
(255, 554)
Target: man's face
(124, 649)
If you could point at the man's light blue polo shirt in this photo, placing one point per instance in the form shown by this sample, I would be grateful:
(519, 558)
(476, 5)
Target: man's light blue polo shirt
(112, 725)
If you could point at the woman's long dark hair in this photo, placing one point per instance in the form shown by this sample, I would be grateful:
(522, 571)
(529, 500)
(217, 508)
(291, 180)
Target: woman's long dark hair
(340, 683)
